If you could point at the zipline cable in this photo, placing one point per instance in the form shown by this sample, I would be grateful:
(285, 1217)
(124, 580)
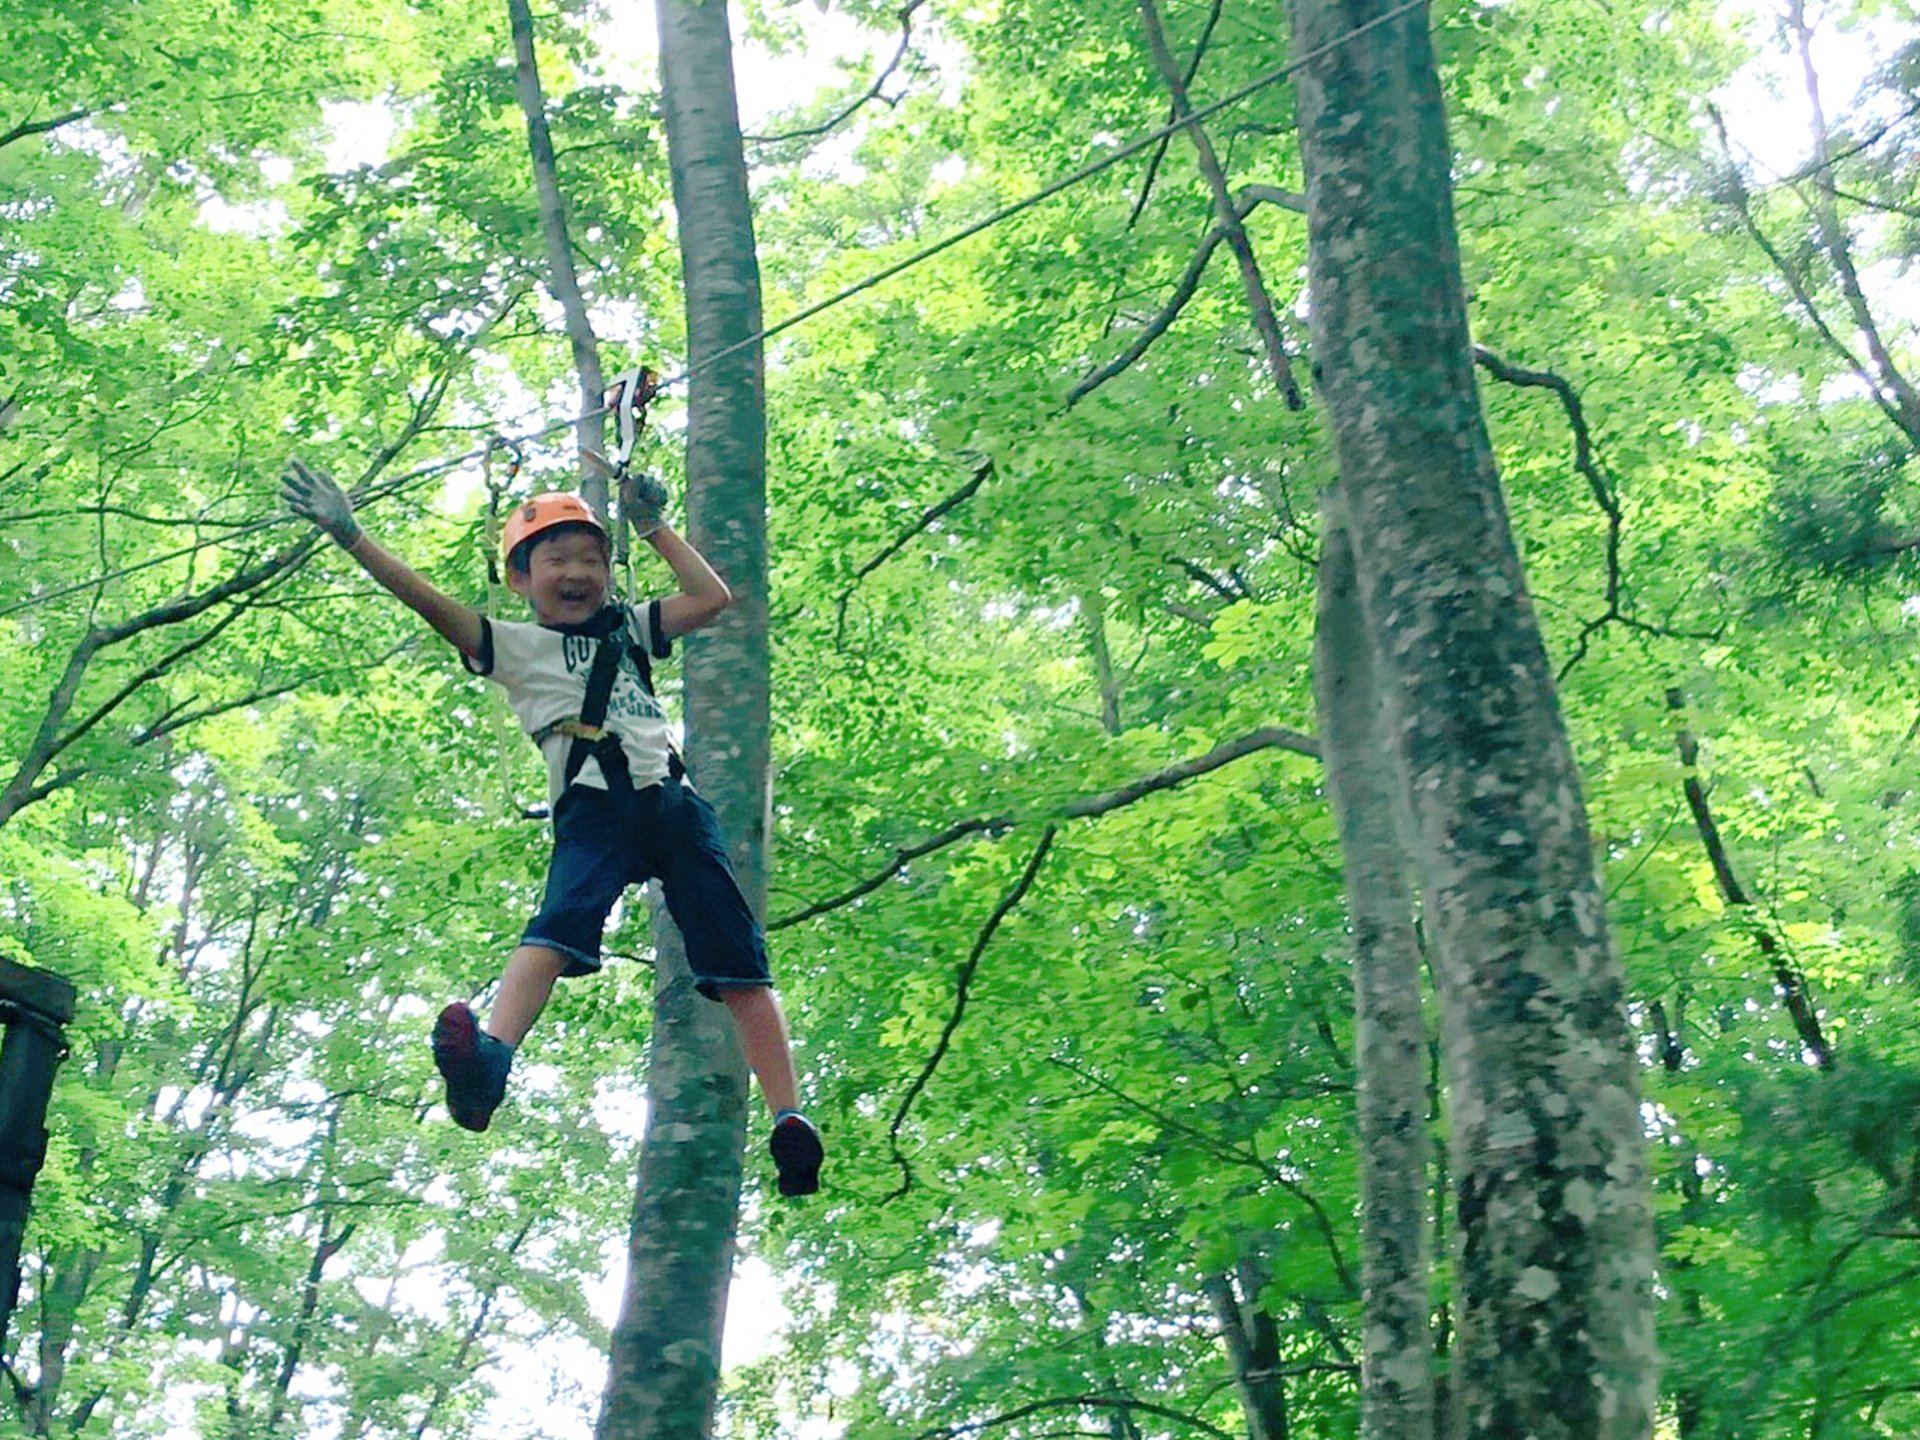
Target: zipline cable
(1047, 192)
(1006, 212)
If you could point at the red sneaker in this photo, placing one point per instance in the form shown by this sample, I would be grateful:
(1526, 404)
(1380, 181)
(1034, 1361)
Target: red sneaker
(797, 1153)
(473, 1064)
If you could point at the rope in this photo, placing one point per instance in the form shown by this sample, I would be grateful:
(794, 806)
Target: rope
(504, 736)
(1006, 212)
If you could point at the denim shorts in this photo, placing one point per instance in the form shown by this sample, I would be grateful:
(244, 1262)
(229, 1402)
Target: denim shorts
(604, 841)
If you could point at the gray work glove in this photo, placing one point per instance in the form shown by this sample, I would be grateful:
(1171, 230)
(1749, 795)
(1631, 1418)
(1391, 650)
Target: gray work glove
(643, 500)
(312, 494)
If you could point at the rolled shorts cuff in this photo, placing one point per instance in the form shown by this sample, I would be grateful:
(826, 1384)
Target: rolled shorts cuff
(712, 988)
(578, 961)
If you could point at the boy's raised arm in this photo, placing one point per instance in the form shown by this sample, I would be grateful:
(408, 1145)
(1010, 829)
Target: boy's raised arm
(313, 494)
(703, 594)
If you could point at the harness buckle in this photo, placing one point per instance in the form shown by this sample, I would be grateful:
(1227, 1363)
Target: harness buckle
(576, 729)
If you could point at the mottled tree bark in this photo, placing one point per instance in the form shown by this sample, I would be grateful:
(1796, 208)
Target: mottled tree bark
(1396, 1386)
(562, 280)
(1554, 1238)
(1093, 609)
(666, 1344)
(1253, 1347)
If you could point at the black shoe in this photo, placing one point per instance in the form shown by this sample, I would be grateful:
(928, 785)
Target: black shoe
(474, 1065)
(797, 1153)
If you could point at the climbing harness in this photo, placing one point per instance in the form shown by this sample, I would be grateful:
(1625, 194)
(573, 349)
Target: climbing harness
(627, 398)
(495, 494)
(591, 737)
(498, 720)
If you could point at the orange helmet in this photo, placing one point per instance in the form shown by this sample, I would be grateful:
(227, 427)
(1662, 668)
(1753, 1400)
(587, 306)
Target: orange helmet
(543, 512)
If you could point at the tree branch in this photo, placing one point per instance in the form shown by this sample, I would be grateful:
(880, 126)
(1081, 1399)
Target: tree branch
(1173, 113)
(933, 512)
(1156, 327)
(562, 280)
(364, 492)
(1834, 239)
(1735, 190)
(1244, 1155)
(1200, 575)
(1791, 984)
(872, 92)
(42, 127)
(21, 789)
(1586, 461)
(1269, 737)
(962, 980)
(1075, 1402)
(49, 742)
(1226, 212)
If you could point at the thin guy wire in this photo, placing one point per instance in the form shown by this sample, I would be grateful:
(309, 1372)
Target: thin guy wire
(1007, 212)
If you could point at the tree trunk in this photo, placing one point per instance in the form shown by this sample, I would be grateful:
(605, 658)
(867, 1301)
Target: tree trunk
(1093, 609)
(561, 277)
(666, 1345)
(1554, 1237)
(1253, 1348)
(1396, 1388)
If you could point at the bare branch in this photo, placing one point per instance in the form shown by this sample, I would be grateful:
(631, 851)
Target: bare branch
(1586, 461)
(872, 92)
(1075, 1402)
(42, 127)
(1270, 737)
(962, 980)
(1790, 983)
(899, 542)
(1226, 212)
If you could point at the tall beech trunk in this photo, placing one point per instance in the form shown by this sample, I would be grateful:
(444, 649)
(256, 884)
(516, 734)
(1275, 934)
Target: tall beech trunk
(562, 280)
(1396, 1386)
(666, 1344)
(1554, 1236)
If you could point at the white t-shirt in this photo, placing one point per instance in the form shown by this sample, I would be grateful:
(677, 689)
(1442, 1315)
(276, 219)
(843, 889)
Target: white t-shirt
(544, 673)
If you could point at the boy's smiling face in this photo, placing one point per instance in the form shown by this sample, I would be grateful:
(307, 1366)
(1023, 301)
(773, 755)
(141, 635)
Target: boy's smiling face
(566, 577)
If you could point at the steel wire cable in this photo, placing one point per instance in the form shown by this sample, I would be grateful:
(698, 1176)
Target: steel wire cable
(385, 488)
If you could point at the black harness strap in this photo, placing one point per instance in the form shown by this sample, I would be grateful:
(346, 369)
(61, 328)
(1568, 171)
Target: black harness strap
(604, 745)
(593, 715)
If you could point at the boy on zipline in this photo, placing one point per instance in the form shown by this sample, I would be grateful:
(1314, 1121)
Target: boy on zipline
(621, 811)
